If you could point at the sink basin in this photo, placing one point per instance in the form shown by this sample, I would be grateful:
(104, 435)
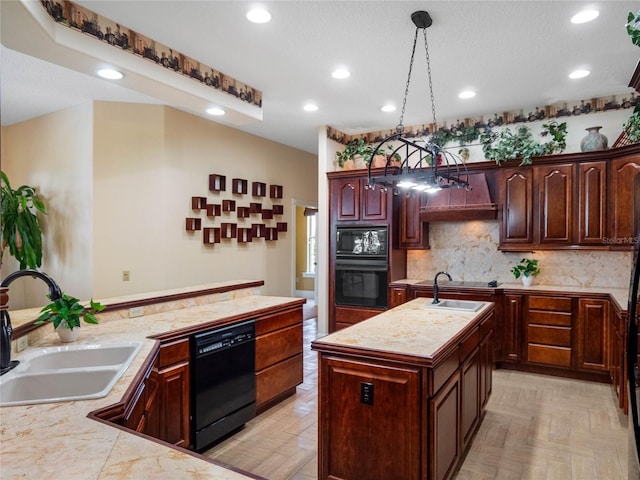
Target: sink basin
(91, 356)
(461, 305)
(60, 374)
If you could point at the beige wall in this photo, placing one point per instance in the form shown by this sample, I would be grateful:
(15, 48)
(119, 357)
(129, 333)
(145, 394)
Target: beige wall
(118, 180)
(53, 153)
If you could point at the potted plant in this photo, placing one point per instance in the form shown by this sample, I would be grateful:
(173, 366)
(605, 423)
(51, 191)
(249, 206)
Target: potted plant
(527, 269)
(65, 314)
(354, 149)
(20, 227)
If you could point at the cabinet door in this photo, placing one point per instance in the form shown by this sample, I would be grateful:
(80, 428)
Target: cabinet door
(414, 234)
(374, 201)
(370, 422)
(511, 340)
(470, 395)
(486, 369)
(397, 296)
(592, 203)
(624, 205)
(444, 433)
(345, 196)
(593, 334)
(555, 205)
(173, 386)
(517, 204)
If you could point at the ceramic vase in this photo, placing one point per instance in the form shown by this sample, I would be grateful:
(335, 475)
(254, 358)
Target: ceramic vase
(67, 335)
(527, 281)
(594, 140)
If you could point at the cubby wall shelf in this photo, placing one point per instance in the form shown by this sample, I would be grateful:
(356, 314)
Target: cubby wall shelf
(214, 210)
(255, 207)
(258, 230)
(278, 210)
(271, 234)
(275, 191)
(258, 189)
(267, 214)
(239, 186)
(211, 236)
(281, 226)
(198, 203)
(217, 183)
(193, 224)
(243, 212)
(228, 230)
(228, 205)
(244, 235)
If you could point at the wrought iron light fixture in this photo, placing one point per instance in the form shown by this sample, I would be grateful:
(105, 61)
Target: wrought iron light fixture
(425, 166)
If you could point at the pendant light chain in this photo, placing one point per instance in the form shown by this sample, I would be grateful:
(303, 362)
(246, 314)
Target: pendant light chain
(400, 127)
(433, 101)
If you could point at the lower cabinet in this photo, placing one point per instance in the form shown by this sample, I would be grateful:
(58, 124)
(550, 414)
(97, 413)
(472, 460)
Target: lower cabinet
(143, 413)
(279, 366)
(444, 444)
(549, 325)
(593, 334)
(347, 316)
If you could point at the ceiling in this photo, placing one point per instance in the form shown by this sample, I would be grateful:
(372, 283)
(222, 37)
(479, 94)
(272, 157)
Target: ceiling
(514, 54)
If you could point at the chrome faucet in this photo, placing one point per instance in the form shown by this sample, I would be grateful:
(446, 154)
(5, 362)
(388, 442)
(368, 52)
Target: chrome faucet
(435, 286)
(6, 330)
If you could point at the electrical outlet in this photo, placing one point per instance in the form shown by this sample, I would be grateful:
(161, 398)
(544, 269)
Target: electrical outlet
(136, 312)
(23, 342)
(125, 275)
(225, 296)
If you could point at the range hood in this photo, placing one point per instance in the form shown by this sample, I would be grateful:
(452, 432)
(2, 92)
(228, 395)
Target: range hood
(453, 204)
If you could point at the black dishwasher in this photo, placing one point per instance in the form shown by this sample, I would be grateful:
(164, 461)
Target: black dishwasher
(223, 381)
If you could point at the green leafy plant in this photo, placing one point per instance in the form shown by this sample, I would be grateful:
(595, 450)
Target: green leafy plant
(508, 144)
(69, 310)
(527, 268)
(632, 125)
(633, 27)
(463, 135)
(20, 227)
(359, 148)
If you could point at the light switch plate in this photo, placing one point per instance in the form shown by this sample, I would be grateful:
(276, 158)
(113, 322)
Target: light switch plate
(22, 343)
(136, 312)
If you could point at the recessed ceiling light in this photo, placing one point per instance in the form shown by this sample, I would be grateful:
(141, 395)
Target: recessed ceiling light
(467, 94)
(258, 15)
(585, 16)
(310, 107)
(341, 73)
(110, 74)
(388, 108)
(579, 74)
(215, 111)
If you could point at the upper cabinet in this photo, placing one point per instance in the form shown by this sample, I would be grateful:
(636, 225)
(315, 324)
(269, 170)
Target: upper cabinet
(561, 202)
(354, 200)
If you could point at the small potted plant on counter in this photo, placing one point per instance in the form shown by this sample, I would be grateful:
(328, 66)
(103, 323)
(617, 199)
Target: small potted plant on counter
(527, 269)
(65, 314)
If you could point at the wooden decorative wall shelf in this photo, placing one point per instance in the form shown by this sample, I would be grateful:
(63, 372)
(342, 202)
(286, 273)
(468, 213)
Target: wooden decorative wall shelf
(275, 191)
(239, 186)
(228, 205)
(217, 183)
(193, 224)
(214, 210)
(258, 189)
(227, 230)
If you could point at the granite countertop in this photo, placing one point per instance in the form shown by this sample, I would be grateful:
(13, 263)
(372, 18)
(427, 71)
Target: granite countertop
(619, 295)
(411, 329)
(57, 440)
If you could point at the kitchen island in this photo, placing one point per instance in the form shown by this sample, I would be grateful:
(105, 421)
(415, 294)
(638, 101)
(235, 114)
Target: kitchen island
(401, 394)
(64, 440)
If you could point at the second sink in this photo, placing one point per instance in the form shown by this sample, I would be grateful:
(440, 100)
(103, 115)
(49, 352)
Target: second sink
(461, 305)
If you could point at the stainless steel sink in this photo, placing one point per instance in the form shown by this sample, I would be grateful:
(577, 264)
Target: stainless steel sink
(460, 305)
(59, 374)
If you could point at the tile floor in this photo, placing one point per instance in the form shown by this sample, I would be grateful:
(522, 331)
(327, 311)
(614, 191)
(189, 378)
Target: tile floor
(536, 427)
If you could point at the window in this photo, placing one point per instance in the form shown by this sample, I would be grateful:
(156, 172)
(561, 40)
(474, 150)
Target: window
(311, 245)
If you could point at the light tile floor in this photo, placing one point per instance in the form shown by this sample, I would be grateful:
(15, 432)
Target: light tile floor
(536, 427)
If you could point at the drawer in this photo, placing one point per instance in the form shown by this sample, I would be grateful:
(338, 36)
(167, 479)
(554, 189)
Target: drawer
(549, 355)
(556, 304)
(277, 346)
(549, 318)
(270, 323)
(352, 315)
(549, 335)
(277, 379)
(173, 352)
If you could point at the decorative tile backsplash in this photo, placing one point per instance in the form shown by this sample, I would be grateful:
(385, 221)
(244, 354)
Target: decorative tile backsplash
(469, 252)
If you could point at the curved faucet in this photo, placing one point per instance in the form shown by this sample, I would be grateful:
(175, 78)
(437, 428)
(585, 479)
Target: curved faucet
(6, 330)
(436, 300)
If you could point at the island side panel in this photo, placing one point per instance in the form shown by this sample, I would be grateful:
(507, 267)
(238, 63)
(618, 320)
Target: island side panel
(371, 419)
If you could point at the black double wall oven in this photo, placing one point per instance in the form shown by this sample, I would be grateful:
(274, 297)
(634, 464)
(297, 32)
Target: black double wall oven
(362, 266)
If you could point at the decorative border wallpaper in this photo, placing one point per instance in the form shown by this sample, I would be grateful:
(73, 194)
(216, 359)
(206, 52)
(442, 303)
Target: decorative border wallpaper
(556, 111)
(84, 20)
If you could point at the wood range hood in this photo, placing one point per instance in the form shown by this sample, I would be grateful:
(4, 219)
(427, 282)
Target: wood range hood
(455, 204)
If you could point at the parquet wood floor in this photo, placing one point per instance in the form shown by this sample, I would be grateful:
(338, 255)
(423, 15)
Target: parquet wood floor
(536, 428)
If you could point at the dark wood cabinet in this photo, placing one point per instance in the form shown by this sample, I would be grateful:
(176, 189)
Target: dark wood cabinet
(142, 414)
(414, 233)
(444, 437)
(618, 366)
(345, 199)
(397, 296)
(512, 322)
(592, 207)
(471, 398)
(624, 201)
(517, 204)
(549, 330)
(354, 200)
(174, 392)
(279, 367)
(593, 325)
(554, 208)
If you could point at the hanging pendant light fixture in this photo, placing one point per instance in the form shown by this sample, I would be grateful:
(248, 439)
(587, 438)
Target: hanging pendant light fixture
(425, 166)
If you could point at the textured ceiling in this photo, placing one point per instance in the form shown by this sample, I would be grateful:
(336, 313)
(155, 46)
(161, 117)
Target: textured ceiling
(515, 54)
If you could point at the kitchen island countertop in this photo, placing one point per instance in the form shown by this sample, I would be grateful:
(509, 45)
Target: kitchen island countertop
(57, 440)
